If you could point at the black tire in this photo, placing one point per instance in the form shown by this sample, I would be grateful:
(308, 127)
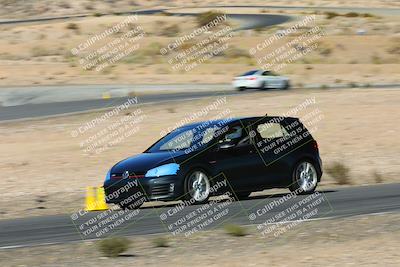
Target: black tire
(188, 190)
(298, 185)
(263, 86)
(242, 88)
(286, 86)
(242, 195)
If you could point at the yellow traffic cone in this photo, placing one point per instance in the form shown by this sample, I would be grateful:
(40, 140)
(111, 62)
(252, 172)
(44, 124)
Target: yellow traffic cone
(95, 199)
(101, 199)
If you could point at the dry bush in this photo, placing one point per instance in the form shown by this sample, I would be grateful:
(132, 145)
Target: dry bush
(394, 48)
(206, 17)
(160, 242)
(235, 230)
(331, 15)
(235, 52)
(339, 172)
(377, 177)
(113, 247)
(72, 26)
(171, 31)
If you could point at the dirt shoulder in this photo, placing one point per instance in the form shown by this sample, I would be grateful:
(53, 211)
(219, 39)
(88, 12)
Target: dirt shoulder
(364, 240)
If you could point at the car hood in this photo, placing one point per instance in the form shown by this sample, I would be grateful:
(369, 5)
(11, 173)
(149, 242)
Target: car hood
(141, 163)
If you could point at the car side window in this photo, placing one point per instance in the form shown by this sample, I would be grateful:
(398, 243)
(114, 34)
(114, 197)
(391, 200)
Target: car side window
(266, 73)
(271, 130)
(237, 136)
(181, 141)
(273, 74)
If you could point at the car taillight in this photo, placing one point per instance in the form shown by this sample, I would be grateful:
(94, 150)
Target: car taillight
(251, 78)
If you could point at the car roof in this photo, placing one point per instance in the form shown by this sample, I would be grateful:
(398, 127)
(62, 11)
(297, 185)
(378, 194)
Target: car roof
(232, 120)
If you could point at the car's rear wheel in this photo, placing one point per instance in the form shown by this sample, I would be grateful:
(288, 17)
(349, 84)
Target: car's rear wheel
(286, 85)
(197, 187)
(242, 88)
(263, 86)
(304, 178)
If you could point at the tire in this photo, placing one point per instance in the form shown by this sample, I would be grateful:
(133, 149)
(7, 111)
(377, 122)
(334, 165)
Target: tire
(242, 88)
(286, 86)
(304, 178)
(262, 86)
(242, 195)
(197, 187)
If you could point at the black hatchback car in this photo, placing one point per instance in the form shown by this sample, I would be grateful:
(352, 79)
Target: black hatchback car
(239, 155)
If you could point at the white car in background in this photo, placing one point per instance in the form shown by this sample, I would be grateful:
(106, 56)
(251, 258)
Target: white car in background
(260, 79)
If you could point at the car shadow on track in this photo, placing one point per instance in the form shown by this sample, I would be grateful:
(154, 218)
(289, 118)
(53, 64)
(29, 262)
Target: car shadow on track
(257, 197)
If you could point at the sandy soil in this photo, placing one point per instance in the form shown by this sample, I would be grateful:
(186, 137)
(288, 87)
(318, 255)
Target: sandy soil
(45, 170)
(358, 241)
(41, 53)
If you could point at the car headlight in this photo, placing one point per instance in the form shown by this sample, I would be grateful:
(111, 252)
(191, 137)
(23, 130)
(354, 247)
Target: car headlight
(167, 169)
(108, 176)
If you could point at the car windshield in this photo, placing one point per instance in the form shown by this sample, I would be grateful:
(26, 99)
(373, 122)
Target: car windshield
(249, 73)
(189, 138)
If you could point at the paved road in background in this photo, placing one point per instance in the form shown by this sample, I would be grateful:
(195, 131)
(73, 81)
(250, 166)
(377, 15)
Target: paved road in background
(26, 103)
(343, 202)
(72, 107)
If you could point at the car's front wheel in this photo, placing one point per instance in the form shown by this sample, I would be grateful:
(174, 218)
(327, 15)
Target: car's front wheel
(197, 187)
(304, 178)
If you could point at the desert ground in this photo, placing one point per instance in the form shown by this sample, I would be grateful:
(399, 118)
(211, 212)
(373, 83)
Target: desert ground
(46, 164)
(353, 50)
(364, 240)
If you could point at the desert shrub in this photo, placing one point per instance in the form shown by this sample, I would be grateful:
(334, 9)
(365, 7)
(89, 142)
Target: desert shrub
(351, 15)
(377, 177)
(235, 230)
(394, 47)
(206, 17)
(160, 242)
(65, 5)
(235, 52)
(325, 51)
(352, 85)
(376, 59)
(339, 172)
(72, 26)
(171, 31)
(39, 51)
(331, 15)
(113, 247)
(368, 15)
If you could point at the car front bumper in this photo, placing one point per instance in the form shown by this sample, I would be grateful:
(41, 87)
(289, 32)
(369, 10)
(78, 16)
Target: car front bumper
(157, 188)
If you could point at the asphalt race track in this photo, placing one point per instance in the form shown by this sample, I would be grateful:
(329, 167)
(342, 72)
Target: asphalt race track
(62, 108)
(344, 202)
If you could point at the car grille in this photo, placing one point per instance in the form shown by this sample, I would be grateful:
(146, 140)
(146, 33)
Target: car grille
(160, 190)
(132, 175)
